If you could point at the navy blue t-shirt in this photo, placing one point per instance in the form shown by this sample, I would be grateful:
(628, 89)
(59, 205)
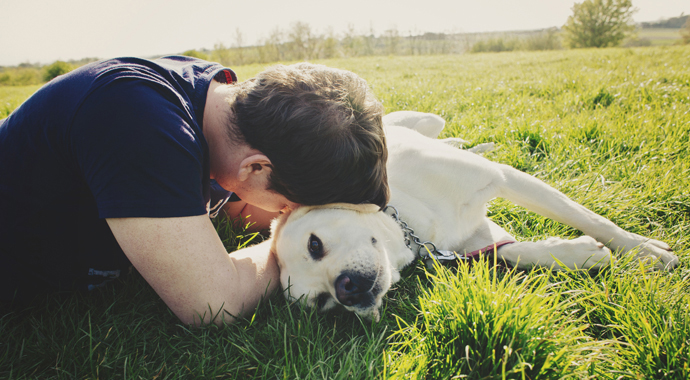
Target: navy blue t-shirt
(116, 138)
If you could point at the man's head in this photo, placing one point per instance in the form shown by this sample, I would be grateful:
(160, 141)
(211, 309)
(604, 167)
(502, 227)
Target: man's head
(321, 130)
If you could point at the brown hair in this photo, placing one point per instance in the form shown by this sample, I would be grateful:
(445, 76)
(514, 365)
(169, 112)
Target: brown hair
(322, 130)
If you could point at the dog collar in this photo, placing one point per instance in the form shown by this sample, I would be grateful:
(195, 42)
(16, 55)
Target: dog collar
(426, 250)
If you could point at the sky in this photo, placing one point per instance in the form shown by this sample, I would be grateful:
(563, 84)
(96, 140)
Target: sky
(43, 31)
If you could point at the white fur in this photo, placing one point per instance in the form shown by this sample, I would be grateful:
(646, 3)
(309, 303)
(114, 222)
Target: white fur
(441, 192)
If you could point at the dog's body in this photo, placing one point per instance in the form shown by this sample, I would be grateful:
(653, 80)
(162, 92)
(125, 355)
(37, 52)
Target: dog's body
(351, 254)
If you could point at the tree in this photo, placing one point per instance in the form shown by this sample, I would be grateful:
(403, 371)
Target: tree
(273, 48)
(392, 40)
(221, 54)
(239, 46)
(303, 41)
(599, 23)
(352, 42)
(329, 45)
(685, 32)
(196, 54)
(55, 69)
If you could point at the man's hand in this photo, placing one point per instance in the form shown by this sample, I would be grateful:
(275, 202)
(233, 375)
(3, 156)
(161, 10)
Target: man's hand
(185, 262)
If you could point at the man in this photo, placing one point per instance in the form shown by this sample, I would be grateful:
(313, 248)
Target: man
(122, 161)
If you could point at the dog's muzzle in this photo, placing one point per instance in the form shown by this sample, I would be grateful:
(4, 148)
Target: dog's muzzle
(355, 290)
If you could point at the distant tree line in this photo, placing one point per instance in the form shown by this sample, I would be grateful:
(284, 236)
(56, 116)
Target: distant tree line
(548, 39)
(671, 23)
(594, 23)
(26, 74)
(301, 42)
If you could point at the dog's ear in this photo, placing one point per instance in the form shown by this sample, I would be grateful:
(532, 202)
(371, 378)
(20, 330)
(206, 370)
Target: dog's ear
(298, 212)
(278, 223)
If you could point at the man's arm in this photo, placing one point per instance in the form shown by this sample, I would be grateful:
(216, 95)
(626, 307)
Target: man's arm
(185, 262)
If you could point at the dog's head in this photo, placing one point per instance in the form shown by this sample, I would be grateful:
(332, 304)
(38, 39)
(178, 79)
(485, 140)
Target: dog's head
(339, 254)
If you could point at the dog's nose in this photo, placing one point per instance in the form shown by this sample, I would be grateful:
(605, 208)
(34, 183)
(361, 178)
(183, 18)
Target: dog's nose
(352, 289)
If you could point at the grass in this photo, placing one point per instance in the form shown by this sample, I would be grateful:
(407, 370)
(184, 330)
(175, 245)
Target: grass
(11, 97)
(608, 127)
(476, 323)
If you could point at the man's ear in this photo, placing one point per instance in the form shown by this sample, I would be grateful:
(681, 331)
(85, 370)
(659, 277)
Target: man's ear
(254, 164)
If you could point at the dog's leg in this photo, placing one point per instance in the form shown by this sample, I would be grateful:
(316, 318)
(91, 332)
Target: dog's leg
(486, 234)
(543, 199)
(428, 124)
(583, 252)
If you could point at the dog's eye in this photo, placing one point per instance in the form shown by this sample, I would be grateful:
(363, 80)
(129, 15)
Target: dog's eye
(373, 241)
(315, 247)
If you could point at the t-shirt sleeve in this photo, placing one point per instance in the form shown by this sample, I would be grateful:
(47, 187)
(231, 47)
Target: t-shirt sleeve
(139, 151)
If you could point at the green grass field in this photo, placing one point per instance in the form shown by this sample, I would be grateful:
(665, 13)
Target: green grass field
(609, 127)
(11, 97)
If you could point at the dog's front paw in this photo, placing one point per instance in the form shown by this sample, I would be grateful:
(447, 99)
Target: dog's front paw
(648, 250)
(658, 252)
(588, 251)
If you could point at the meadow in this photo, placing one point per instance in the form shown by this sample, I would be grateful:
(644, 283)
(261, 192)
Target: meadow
(12, 96)
(608, 127)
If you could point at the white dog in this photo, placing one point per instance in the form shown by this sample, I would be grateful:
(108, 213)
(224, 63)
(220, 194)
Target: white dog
(351, 254)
